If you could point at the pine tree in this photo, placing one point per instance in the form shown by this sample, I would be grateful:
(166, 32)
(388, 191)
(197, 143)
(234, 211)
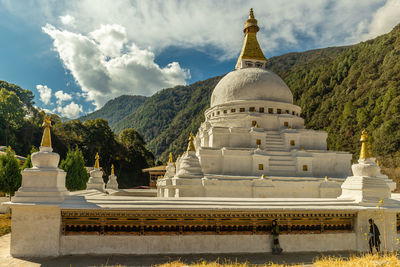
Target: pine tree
(10, 174)
(74, 165)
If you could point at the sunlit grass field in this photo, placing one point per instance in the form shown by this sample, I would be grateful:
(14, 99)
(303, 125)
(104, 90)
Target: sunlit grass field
(5, 224)
(366, 260)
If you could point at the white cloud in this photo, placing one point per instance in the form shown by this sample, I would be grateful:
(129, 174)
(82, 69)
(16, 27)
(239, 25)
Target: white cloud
(71, 111)
(385, 19)
(105, 65)
(67, 20)
(285, 24)
(61, 96)
(45, 93)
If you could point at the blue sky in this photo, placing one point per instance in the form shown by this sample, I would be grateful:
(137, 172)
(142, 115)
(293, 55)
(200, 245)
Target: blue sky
(77, 55)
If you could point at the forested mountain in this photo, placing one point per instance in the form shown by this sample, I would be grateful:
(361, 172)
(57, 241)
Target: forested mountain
(340, 89)
(166, 119)
(116, 109)
(20, 128)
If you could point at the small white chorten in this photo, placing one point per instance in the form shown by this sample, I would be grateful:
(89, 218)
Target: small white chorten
(170, 169)
(366, 185)
(96, 177)
(112, 180)
(189, 166)
(44, 182)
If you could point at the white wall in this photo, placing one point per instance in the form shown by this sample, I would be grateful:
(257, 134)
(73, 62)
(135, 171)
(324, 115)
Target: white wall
(188, 244)
(35, 230)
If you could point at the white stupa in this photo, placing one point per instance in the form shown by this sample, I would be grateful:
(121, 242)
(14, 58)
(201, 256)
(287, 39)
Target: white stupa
(44, 182)
(252, 128)
(96, 177)
(112, 183)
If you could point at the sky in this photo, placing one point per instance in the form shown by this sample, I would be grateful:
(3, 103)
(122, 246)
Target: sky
(77, 55)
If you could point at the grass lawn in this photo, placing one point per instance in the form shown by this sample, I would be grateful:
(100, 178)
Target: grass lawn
(354, 261)
(5, 224)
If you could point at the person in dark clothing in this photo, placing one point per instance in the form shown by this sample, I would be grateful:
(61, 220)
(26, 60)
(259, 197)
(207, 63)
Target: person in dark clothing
(374, 234)
(276, 248)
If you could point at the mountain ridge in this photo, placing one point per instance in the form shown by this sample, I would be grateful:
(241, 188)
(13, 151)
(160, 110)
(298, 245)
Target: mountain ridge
(333, 86)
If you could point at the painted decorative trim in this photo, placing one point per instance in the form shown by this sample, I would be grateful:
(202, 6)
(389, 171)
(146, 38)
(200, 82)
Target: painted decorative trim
(191, 222)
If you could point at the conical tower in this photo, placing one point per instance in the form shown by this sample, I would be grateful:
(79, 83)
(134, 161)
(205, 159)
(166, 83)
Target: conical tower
(251, 54)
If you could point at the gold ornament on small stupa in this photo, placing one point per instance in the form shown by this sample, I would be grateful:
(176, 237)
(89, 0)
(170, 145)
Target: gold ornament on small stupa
(46, 138)
(365, 152)
(262, 176)
(112, 169)
(191, 144)
(97, 163)
(171, 159)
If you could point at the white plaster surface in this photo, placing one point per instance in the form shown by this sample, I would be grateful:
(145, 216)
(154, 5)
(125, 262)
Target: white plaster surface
(96, 181)
(4, 208)
(251, 84)
(188, 244)
(112, 182)
(35, 230)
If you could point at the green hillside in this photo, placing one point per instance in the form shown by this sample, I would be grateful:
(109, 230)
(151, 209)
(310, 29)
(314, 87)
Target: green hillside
(340, 89)
(166, 119)
(116, 109)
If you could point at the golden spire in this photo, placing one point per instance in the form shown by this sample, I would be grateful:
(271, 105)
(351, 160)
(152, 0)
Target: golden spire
(191, 144)
(171, 159)
(46, 138)
(96, 163)
(112, 169)
(365, 152)
(251, 48)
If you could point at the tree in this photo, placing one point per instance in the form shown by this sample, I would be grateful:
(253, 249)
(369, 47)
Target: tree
(28, 162)
(10, 175)
(74, 165)
(11, 114)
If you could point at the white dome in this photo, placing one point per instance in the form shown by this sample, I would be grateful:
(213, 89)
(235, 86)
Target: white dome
(251, 84)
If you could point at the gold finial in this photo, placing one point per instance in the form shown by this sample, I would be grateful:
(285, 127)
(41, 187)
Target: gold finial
(258, 146)
(262, 176)
(191, 144)
(96, 163)
(46, 138)
(256, 125)
(171, 159)
(365, 152)
(378, 163)
(112, 169)
(326, 178)
(251, 48)
(251, 14)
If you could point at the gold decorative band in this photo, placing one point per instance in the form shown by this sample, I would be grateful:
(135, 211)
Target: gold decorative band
(176, 222)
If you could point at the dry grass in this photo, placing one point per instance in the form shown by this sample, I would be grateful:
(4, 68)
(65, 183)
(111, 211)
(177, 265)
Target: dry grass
(5, 224)
(366, 260)
(216, 264)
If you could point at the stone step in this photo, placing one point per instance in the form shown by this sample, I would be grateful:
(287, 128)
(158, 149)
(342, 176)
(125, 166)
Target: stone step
(276, 149)
(273, 139)
(282, 157)
(282, 162)
(275, 142)
(275, 146)
(279, 153)
(289, 168)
